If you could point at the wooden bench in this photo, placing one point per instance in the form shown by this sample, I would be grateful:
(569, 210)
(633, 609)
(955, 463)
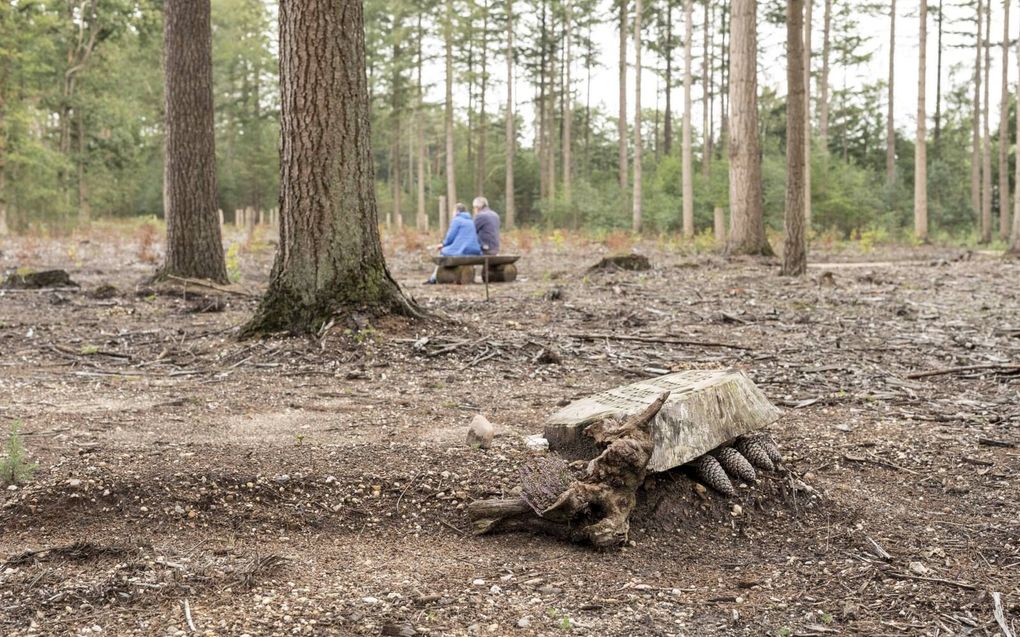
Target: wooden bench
(461, 270)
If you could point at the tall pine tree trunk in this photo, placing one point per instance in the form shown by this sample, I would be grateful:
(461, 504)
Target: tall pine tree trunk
(511, 137)
(747, 224)
(568, 109)
(823, 80)
(667, 124)
(920, 144)
(330, 259)
(794, 246)
(422, 217)
(1004, 129)
(621, 125)
(1014, 237)
(193, 244)
(688, 158)
(986, 150)
(638, 159)
(706, 86)
(84, 206)
(483, 124)
(890, 124)
(451, 167)
(806, 74)
(938, 84)
(975, 148)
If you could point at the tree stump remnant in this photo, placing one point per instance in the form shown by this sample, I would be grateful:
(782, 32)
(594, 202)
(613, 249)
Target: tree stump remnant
(706, 409)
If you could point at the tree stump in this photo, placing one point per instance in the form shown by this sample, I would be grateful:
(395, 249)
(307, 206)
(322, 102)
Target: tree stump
(706, 409)
(39, 280)
(623, 262)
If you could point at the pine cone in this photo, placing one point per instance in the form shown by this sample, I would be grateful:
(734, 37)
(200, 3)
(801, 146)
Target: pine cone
(735, 464)
(770, 446)
(711, 473)
(755, 453)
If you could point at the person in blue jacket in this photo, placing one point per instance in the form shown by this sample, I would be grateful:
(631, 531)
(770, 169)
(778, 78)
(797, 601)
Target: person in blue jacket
(461, 239)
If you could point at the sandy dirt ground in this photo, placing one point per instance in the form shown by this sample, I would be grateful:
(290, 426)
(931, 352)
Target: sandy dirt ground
(193, 483)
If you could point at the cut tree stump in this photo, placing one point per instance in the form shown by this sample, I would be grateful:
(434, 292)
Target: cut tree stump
(705, 409)
(623, 262)
(40, 280)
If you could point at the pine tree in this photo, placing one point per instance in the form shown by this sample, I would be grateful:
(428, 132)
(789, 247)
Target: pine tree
(794, 246)
(747, 225)
(330, 259)
(920, 144)
(193, 243)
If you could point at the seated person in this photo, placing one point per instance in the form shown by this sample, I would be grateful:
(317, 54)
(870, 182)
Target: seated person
(487, 226)
(461, 239)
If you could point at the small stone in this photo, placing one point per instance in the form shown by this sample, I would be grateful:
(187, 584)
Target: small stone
(917, 568)
(478, 582)
(480, 432)
(495, 590)
(370, 600)
(737, 511)
(523, 622)
(536, 442)
(73, 482)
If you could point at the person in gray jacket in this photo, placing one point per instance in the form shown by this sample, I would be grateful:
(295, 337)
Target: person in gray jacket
(486, 225)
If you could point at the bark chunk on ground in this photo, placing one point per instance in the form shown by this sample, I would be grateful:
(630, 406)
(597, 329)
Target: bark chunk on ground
(595, 506)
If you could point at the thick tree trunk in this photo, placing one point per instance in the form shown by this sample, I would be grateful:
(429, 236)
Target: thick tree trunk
(451, 168)
(794, 247)
(1004, 129)
(193, 245)
(568, 109)
(638, 160)
(724, 80)
(975, 148)
(986, 150)
(688, 158)
(823, 80)
(806, 73)
(920, 144)
(747, 224)
(511, 137)
(330, 257)
(890, 124)
(622, 117)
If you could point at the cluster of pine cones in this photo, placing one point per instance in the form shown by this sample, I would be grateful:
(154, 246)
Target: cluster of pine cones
(739, 461)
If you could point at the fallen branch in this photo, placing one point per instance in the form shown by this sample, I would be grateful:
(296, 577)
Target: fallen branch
(663, 339)
(212, 286)
(1008, 368)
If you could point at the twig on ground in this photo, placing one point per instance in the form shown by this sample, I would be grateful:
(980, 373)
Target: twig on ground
(1000, 614)
(1009, 368)
(663, 339)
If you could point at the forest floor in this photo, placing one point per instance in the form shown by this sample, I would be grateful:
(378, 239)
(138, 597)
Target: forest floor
(190, 482)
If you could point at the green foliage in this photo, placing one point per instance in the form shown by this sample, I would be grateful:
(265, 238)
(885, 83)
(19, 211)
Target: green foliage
(15, 467)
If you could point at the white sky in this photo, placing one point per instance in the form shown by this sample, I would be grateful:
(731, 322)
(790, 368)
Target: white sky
(958, 59)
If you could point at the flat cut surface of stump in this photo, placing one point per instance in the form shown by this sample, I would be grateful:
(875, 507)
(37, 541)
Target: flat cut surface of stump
(706, 409)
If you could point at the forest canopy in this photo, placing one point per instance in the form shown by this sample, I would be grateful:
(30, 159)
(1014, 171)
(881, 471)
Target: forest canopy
(81, 131)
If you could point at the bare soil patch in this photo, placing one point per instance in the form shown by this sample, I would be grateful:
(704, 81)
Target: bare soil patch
(317, 485)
